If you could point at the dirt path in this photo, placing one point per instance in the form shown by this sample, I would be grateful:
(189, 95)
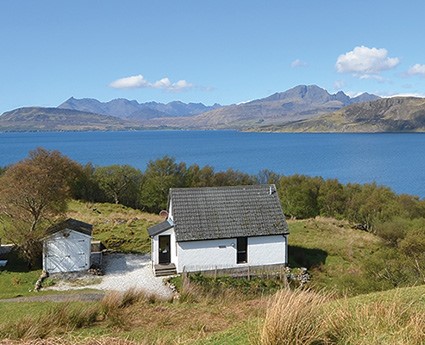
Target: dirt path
(75, 297)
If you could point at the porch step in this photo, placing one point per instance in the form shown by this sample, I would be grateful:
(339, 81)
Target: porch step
(164, 270)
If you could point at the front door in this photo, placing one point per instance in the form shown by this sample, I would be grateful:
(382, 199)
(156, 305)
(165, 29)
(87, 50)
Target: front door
(164, 249)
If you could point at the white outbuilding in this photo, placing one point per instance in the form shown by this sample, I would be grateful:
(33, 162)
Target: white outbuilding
(220, 228)
(67, 247)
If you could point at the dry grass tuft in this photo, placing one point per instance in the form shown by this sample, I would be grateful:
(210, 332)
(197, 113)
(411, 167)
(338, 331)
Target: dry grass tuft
(114, 306)
(62, 318)
(306, 317)
(294, 317)
(389, 322)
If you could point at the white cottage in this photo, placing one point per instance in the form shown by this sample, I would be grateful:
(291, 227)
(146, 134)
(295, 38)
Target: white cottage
(67, 247)
(220, 228)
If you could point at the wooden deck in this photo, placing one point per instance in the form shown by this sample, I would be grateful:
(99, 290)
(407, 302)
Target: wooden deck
(163, 270)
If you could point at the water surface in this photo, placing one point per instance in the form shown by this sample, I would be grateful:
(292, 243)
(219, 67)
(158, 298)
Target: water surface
(396, 160)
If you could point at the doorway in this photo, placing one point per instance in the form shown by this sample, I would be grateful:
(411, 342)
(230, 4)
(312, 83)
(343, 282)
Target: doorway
(164, 249)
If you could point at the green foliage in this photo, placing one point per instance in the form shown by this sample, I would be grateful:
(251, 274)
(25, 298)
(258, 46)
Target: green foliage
(299, 195)
(331, 198)
(335, 254)
(86, 187)
(159, 177)
(33, 194)
(216, 286)
(403, 262)
(200, 177)
(392, 231)
(412, 206)
(119, 183)
(232, 177)
(369, 203)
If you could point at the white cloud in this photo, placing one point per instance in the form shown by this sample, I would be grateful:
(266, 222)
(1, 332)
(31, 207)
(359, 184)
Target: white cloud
(417, 69)
(413, 94)
(138, 81)
(366, 63)
(298, 63)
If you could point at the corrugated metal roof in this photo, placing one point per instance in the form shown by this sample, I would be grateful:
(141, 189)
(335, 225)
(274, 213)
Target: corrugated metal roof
(226, 212)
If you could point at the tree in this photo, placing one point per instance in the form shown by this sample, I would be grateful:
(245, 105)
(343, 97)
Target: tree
(86, 187)
(369, 203)
(159, 177)
(232, 177)
(120, 183)
(33, 194)
(331, 198)
(298, 195)
(199, 177)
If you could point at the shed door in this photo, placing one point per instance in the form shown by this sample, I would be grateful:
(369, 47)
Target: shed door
(164, 249)
(66, 256)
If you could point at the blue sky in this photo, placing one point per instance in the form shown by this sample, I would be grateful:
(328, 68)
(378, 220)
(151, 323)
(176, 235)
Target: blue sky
(206, 51)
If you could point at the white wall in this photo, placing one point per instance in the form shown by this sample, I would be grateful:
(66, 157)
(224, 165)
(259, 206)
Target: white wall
(208, 255)
(267, 250)
(66, 253)
(201, 255)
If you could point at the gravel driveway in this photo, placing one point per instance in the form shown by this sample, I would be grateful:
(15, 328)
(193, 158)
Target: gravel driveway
(123, 272)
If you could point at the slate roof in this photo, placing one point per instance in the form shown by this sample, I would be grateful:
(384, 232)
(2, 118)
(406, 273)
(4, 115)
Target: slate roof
(226, 212)
(157, 229)
(72, 224)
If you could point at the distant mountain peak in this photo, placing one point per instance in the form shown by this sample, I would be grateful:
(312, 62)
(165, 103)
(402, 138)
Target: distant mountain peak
(126, 109)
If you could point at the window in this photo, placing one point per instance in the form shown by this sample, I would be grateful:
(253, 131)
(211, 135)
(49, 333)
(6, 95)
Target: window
(241, 250)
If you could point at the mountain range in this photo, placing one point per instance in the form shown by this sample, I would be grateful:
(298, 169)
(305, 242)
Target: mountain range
(298, 103)
(134, 111)
(397, 114)
(54, 119)
(302, 108)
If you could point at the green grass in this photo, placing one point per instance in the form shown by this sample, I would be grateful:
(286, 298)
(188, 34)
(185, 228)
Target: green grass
(15, 279)
(413, 296)
(118, 227)
(334, 253)
(244, 333)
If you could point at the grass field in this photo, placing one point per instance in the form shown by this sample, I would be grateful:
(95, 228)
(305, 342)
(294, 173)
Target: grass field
(331, 250)
(118, 227)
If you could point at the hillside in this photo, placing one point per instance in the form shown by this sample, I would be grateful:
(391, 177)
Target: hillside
(333, 251)
(54, 119)
(300, 109)
(398, 114)
(298, 103)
